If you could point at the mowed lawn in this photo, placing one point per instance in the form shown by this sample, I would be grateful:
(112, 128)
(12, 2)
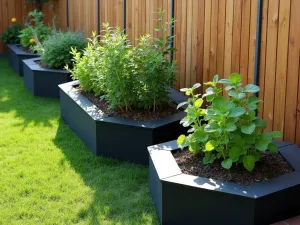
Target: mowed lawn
(47, 174)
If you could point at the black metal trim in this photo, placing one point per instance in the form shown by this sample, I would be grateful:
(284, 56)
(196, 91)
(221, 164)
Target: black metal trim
(258, 42)
(125, 15)
(173, 29)
(67, 14)
(98, 17)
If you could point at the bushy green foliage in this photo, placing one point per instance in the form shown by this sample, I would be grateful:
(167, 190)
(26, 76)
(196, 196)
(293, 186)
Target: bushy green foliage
(55, 51)
(11, 36)
(34, 26)
(128, 76)
(88, 67)
(228, 130)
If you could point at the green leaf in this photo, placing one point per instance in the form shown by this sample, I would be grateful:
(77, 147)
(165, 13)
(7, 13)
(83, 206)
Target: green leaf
(230, 127)
(215, 80)
(224, 81)
(181, 104)
(248, 128)
(220, 103)
(249, 162)
(235, 78)
(209, 83)
(197, 85)
(181, 140)
(209, 158)
(260, 123)
(184, 89)
(188, 93)
(262, 145)
(235, 153)
(228, 88)
(212, 127)
(211, 145)
(227, 163)
(273, 148)
(276, 134)
(194, 147)
(236, 112)
(198, 103)
(200, 135)
(251, 88)
(157, 28)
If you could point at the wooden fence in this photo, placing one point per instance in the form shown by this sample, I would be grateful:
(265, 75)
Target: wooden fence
(212, 37)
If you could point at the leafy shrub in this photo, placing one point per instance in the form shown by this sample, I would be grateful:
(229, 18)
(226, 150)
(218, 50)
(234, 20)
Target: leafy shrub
(88, 67)
(228, 130)
(55, 51)
(127, 76)
(35, 26)
(11, 36)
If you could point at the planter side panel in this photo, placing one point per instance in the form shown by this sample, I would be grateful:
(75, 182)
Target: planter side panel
(278, 206)
(182, 203)
(123, 142)
(46, 83)
(28, 78)
(78, 120)
(155, 189)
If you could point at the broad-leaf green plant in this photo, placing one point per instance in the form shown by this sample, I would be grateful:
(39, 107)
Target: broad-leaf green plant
(228, 130)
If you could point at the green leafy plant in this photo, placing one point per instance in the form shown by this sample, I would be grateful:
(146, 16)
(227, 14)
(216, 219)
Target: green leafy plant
(34, 26)
(127, 77)
(228, 129)
(11, 36)
(55, 51)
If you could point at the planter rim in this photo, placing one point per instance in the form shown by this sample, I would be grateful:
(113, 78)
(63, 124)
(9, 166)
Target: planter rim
(18, 51)
(31, 63)
(169, 171)
(98, 115)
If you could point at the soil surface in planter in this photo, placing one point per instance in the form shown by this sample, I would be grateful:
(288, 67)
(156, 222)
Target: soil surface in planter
(271, 165)
(47, 67)
(26, 49)
(133, 114)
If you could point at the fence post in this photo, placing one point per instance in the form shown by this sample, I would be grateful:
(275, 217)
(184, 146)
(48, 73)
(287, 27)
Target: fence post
(98, 17)
(124, 15)
(67, 14)
(258, 42)
(172, 30)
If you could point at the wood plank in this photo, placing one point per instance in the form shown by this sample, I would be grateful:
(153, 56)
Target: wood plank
(183, 42)
(221, 38)
(270, 75)
(292, 76)
(189, 43)
(263, 51)
(213, 39)
(228, 38)
(236, 36)
(281, 69)
(207, 39)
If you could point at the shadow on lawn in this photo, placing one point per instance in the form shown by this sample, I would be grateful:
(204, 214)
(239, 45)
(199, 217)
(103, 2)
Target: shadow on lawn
(16, 99)
(121, 193)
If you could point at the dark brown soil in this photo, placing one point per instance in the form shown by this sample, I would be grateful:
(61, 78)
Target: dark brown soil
(270, 166)
(134, 114)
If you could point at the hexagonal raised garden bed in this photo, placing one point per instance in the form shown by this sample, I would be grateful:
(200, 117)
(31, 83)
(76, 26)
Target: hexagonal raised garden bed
(185, 199)
(42, 81)
(16, 56)
(115, 137)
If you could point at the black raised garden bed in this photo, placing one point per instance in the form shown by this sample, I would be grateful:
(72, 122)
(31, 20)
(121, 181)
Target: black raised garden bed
(185, 199)
(16, 55)
(112, 136)
(41, 81)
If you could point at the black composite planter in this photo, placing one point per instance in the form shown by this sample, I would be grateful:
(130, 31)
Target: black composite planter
(185, 199)
(16, 55)
(115, 137)
(41, 81)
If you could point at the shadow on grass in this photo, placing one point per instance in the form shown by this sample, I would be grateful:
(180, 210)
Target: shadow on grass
(121, 192)
(16, 99)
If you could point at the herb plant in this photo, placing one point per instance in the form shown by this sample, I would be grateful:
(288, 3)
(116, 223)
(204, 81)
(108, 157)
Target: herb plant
(126, 76)
(11, 36)
(34, 26)
(55, 51)
(228, 129)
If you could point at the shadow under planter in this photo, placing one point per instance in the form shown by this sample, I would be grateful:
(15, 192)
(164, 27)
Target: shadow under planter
(16, 56)
(41, 81)
(114, 137)
(185, 199)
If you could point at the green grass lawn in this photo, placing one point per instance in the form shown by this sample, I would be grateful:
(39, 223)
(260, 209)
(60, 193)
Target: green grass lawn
(48, 176)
